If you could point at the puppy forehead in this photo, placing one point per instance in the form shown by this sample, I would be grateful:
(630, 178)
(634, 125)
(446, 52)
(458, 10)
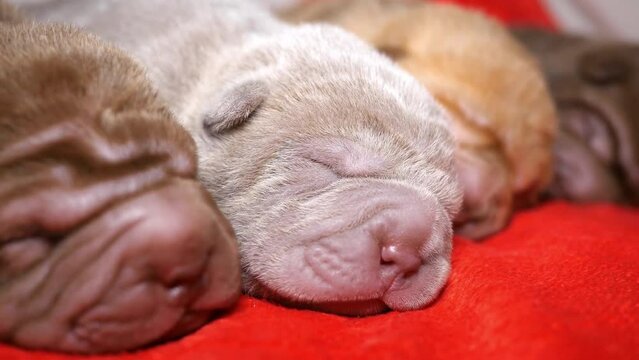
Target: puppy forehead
(368, 131)
(352, 154)
(361, 102)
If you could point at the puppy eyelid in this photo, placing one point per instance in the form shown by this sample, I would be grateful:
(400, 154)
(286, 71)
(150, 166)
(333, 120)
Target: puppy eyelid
(331, 167)
(344, 157)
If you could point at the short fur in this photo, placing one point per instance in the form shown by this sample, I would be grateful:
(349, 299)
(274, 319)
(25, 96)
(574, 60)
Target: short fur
(107, 241)
(503, 117)
(307, 138)
(596, 86)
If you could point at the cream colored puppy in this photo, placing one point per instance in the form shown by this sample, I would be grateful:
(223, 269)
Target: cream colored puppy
(503, 118)
(334, 166)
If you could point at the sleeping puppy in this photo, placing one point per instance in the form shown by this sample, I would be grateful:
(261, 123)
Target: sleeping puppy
(596, 86)
(503, 117)
(107, 241)
(334, 167)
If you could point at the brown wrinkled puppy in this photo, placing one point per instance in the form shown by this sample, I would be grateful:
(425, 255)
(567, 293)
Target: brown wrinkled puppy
(503, 117)
(596, 87)
(334, 166)
(107, 241)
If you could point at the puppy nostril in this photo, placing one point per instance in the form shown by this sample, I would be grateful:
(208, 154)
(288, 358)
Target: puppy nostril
(181, 294)
(389, 254)
(406, 260)
(385, 262)
(184, 289)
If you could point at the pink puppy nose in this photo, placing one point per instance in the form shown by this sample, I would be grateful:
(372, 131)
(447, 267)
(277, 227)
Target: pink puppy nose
(400, 233)
(398, 257)
(411, 249)
(403, 231)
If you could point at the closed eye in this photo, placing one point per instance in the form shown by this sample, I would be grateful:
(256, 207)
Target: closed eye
(346, 168)
(327, 165)
(343, 157)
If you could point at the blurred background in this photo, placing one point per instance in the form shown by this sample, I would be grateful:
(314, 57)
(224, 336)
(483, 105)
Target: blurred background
(611, 19)
(617, 19)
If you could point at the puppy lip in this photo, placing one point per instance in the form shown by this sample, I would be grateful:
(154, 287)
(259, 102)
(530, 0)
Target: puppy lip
(360, 307)
(606, 115)
(428, 282)
(190, 321)
(355, 306)
(583, 103)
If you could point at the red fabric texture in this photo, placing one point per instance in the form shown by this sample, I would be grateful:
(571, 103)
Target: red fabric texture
(561, 282)
(515, 12)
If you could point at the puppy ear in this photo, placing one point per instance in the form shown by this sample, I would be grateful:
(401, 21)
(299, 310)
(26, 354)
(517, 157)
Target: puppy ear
(234, 106)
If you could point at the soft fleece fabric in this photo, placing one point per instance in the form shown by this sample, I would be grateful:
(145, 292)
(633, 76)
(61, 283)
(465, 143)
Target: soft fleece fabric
(561, 282)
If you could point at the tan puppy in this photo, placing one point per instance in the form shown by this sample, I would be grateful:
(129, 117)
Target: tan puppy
(504, 121)
(334, 166)
(107, 242)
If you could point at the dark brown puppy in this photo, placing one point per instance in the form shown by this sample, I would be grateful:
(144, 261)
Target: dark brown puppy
(107, 242)
(595, 84)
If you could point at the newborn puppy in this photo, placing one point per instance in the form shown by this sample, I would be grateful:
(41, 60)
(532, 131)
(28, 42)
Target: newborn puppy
(107, 241)
(503, 117)
(334, 166)
(596, 87)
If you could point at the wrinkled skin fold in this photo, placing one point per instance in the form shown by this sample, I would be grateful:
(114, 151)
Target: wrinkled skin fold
(107, 241)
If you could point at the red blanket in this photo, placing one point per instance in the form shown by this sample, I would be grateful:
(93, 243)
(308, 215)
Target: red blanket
(520, 12)
(561, 282)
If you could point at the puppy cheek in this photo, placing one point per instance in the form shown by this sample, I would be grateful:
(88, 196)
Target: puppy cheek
(579, 177)
(485, 181)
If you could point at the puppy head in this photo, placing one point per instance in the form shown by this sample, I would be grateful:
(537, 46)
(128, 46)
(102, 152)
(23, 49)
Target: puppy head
(107, 241)
(595, 84)
(503, 118)
(336, 170)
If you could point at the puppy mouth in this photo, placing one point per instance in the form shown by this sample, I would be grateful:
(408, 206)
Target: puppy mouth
(483, 223)
(353, 306)
(605, 149)
(584, 105)
(361, 294)
(388, 253)
(350, 308)
(322, 294)
(189, 322)
(592, 125)
(362, 306)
